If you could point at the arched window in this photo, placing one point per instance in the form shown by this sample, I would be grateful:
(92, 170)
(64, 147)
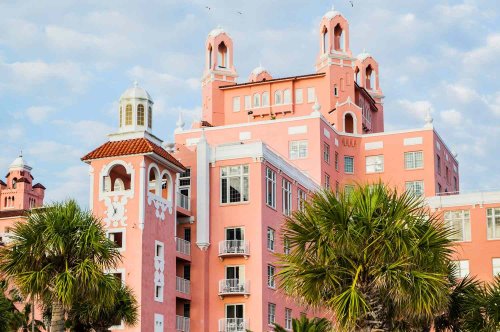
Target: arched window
(14, 183)
(348, 123)
(121, 116)
(265, 99)
(337, 33)
(117, 179)
(342, 41)
(356, 75)
(287, 96)
(278, 98)
(256, 100)
(140, 115)
(368, 84)
(222, 55)
(325, 40)
(152, 182)
(374, 80)
(128, 115)
(165, 187)
(210, 56)
(150, 117)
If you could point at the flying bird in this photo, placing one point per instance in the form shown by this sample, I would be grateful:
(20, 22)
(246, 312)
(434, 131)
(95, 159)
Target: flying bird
(240, 13)
(208, 8)
(352, 3)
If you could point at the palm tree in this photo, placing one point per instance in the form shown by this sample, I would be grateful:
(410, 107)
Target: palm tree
(375, 258)
(58, 255)
(303, 324)
(85, 315)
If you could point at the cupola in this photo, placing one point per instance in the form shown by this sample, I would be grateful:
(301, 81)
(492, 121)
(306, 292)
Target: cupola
(259, 74)
(135, 110)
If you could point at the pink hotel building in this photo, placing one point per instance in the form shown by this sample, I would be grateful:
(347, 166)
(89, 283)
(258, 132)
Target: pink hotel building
(198, 221)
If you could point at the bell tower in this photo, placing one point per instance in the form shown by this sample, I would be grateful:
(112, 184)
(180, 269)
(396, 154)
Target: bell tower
(219, 70)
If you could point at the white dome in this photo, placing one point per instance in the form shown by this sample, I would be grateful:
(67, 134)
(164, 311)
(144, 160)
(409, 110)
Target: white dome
(136, 92)
(331, 14)
(19, 162)
(362, 56)
(259, 70)
(217, 31)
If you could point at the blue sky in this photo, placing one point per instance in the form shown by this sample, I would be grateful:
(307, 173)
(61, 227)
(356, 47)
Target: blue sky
(64, 64)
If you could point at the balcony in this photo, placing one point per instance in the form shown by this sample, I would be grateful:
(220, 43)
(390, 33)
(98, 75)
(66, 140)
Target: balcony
(233, 287)
(182, 323)
(182, 247)
(233, 325)
(234, 248)
(183, 201)
(182, 286)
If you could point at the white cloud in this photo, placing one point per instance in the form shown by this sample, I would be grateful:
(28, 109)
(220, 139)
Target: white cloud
(14, 133)
(461, 93)
(161, 81)
(72, 182)
(22, 76)
(452, 117)
(485, 55)
(37, 114)
(417, 109)
(88, 133)
(52, 151)
(454, 12)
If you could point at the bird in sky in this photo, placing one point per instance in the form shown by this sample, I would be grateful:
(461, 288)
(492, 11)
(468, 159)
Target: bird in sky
(352, 3)
(240, 13)
(208, 8)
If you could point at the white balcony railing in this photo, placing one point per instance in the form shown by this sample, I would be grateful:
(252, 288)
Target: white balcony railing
(183, 285)
(234, 248)
(183, 201)
(182, 246)
(233, 325)
(182, 323)
(234, 286)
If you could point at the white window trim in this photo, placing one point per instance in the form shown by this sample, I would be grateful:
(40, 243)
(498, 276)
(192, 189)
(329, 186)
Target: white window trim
(242, 176)
(413, 153)
(124, 236)
(462, 219)
(298, 143)
(273, 279)
(353, 169)
(286, 187)
(119, 270)
(493, 231)
(413, 185)
(495, 266)
(239, 104)
(375, 164)
(313, 97)
(161, 260)
(273, 181)
(273, 241)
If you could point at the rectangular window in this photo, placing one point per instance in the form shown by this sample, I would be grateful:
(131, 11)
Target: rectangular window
(414, 159)
(462, 268)
(311, 95)
(496, 266)
(288, 319)
(459, 222)
(455, 184)
(248, 102)
(118, 238)
(158, 323)
(374, 164)
(236, 104)
(301, 199)
(299, 98)
(270, 238)
(493, 217)
(159, 250)
(326, 152)
(271, 270)
(286, 245)
(348, 164)
(287, 197)
(270, 187)
(234, 184)
(438, 164)
(337, 161)
(298, 149)
(416, 187)
(327, 181)
(271, 313)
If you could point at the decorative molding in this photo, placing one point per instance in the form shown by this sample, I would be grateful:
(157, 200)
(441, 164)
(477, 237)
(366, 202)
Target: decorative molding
(326, 132)
(161, 205)
(116, 213)
(105, 172)
(374, 145)
(159, 268)
(472, 199)
(297, 130)
(413, 141)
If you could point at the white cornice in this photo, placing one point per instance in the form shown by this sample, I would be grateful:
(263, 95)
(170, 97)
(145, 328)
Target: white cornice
(115, 137)
(477, 198)
(259, 151)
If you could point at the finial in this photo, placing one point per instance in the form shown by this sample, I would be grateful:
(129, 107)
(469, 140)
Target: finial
(136, 84)
(180, 124)
(333, 7)
(21, 153)
(428, 119)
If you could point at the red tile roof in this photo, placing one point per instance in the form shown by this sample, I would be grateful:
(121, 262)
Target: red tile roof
(130, 147)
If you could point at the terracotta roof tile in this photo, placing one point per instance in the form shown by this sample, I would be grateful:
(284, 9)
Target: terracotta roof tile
(130, 147)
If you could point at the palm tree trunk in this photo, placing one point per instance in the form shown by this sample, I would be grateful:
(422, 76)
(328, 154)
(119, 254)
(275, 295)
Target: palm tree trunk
(57, 320)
